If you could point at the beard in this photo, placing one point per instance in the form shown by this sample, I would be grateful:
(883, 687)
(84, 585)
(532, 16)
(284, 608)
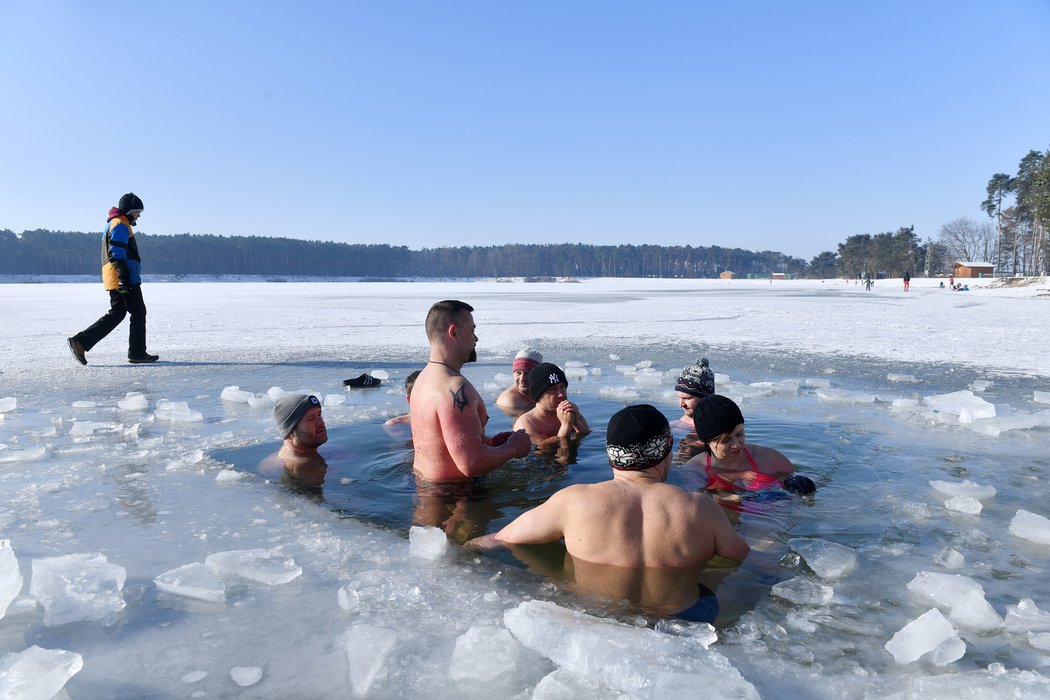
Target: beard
(473, 355)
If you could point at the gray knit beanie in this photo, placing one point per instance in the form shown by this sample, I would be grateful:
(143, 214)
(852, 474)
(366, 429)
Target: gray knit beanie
(290, 409)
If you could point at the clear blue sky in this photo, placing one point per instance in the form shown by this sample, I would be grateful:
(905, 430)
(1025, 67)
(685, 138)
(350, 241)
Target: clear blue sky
(763, 125)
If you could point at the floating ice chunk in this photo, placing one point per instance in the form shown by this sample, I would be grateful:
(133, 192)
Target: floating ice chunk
(816, 382)
(82, 428)
(348, 598)
(483, 654)
(1026, 617)
(367, 648)
(564, 685)
(803, 591)
(979, 385)
(502, 379)
(901, 378)
(225, 476)
(1039, 640)
(644, 364)
(260, 402)
(635, 660)
(964, 504)
(618, 393)
(262, 565)
(1041, 396)
(596, 371)
(77, 587)
(10, 576)
(1030, 526)
(994, 427)
(30, 454)
(948, 651)
(844, 396)
(613, 357)
(702, 633)
(194, 677)
(576, 373)
(276, 392)
(828, 560)
(903, 404)
(380, 374)
(944, 590)
(916, 511)
(83, 405)
(177, 412)
(963, 596)
(8, 404)
(920, 636)
(950, 558)
(334, 399)
(194, 580)
(575, 363)
(960, 403)
(246, 676)
(37, 673)
(133, 401)
(974, 612)
(647, 380)
(234, 394)
(428, 543)
(964, 488)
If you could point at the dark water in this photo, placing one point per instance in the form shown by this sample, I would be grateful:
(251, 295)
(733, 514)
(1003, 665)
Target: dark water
(370, 479)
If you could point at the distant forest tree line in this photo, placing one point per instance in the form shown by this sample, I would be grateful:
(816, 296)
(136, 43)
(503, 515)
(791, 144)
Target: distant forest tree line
(69, 253)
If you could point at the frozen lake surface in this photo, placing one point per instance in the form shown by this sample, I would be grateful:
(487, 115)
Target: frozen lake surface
(924, 415)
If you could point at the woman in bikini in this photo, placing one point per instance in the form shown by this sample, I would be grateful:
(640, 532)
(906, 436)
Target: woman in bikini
(730, 465)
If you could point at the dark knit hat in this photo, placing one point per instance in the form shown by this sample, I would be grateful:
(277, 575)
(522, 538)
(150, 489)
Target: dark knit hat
(638, 437)
(290, 409)
(130, 202)
(542, 377)
(716, 415)
(696, 380)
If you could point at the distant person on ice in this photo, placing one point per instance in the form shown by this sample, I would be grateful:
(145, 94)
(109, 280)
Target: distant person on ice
(122, 278)
(300, 425)
(447, 412)
(907, 281)
(516, 399)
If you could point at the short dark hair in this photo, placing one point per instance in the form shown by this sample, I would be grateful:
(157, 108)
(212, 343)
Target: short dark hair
(410, 381)
(443, 314)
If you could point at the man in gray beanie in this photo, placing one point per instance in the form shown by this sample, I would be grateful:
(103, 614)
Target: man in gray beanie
(634, 521)
(300, 425)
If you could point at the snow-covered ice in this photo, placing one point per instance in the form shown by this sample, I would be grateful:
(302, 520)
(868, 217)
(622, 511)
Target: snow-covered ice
(117, 459)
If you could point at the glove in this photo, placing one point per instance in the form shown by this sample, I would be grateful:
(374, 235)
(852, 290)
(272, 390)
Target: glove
(122, 289)
(803, 485)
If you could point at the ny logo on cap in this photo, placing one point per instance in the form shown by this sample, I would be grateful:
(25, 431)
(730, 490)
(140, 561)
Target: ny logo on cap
(553, 378)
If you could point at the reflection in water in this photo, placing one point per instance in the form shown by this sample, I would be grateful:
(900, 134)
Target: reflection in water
(685, 593)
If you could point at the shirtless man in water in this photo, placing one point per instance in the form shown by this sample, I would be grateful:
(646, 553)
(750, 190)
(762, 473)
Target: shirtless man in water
(633, 519)
(554, 418)
(299, 422)
(447, 413)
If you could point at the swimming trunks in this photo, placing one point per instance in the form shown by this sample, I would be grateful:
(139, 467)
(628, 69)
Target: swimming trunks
(717, 482)
(705, 609)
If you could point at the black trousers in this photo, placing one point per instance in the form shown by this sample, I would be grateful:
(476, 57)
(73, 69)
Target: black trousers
(120, 305)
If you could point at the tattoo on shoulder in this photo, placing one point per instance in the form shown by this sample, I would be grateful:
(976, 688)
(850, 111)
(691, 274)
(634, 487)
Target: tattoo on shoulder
(459, 398)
